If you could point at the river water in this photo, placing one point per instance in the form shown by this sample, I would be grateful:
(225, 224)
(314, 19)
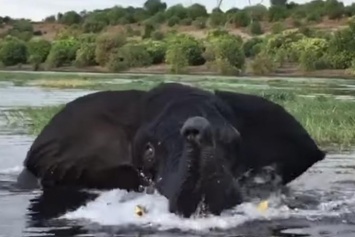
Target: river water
(321, 203)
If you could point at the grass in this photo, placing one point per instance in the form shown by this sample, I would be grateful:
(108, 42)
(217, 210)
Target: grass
(329, 121)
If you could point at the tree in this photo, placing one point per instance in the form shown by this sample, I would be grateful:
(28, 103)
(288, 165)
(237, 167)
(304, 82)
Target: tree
(196, 10)
(177, 10)
(38, 49)
(13, 51)
(154, 6)
(70, 18)
(105, 44)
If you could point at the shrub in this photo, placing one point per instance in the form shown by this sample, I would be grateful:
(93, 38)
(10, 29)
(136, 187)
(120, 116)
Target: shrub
(156, 50)
(70, 18)
(35, 61)
(196, 11)
(157, 35)
(200, 23)
(310, 52)
(105, 44)
(277, 13)
(217, 18)
(13, 51)
(186, 22)
(225, 54)
(128, 56)
(263, 64)
(280, 44)
(314, 17)
(93, 26)
(342, 48)
(87, 38)
(174, 20)
(62, 52)
(296, 23)
(257, 12)
(148, 30)
(177, 58)
(252, 46)
(191, 47)
(38, 50)
(277, 28)
(255, 28)
(177, 10)
(241, 19)
(22, 29)
(85, 55)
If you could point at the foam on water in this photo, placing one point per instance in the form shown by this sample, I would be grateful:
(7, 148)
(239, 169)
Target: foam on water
(13, 170)
(117, 207)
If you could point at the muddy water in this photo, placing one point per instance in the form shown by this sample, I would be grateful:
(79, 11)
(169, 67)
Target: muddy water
(320, 203)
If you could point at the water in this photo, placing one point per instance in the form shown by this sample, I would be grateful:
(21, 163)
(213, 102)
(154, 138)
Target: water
(321, 202)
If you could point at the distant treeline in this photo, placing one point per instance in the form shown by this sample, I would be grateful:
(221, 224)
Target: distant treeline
(84, 41)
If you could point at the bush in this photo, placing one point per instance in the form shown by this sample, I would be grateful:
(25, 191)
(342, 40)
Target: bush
(216, 33)
(277, 28)
(225, 54)
(93, 26)
(105, 44)
(157, 35)
(263, 64)
(62, 52)
(156, 50)
(174, 20)
(277, 13)
(200, 23)
(148, 30)
(22, 29)
(342, 48)
(257, 12)
(87, 38)
(186, 22)
(217, 18)
(241, 19)
(70, 18)
(252, 47)
(196, 11)
(279, 45)
(13, 51)
(296, 23)
(85, 55)
(177, 58)
(191, 47)
(35, 61)
(128, 56)
(38, 50)
(255, 28)
(310, 53)
(314, 17)
(177, 10)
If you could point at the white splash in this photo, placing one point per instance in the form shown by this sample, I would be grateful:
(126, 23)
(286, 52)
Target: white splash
(117, 207)
(12, 170)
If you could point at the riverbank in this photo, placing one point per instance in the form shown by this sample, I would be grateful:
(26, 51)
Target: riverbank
(323, 106)
(290, 70)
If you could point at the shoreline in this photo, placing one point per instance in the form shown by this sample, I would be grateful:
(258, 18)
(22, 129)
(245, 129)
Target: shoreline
(193, 71)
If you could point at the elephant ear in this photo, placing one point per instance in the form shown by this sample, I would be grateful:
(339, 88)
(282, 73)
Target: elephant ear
(271, 135)
(88, 143)
(97, 158)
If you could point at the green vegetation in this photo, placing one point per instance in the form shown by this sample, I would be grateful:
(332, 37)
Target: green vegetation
(330, 121)
(119, 39)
